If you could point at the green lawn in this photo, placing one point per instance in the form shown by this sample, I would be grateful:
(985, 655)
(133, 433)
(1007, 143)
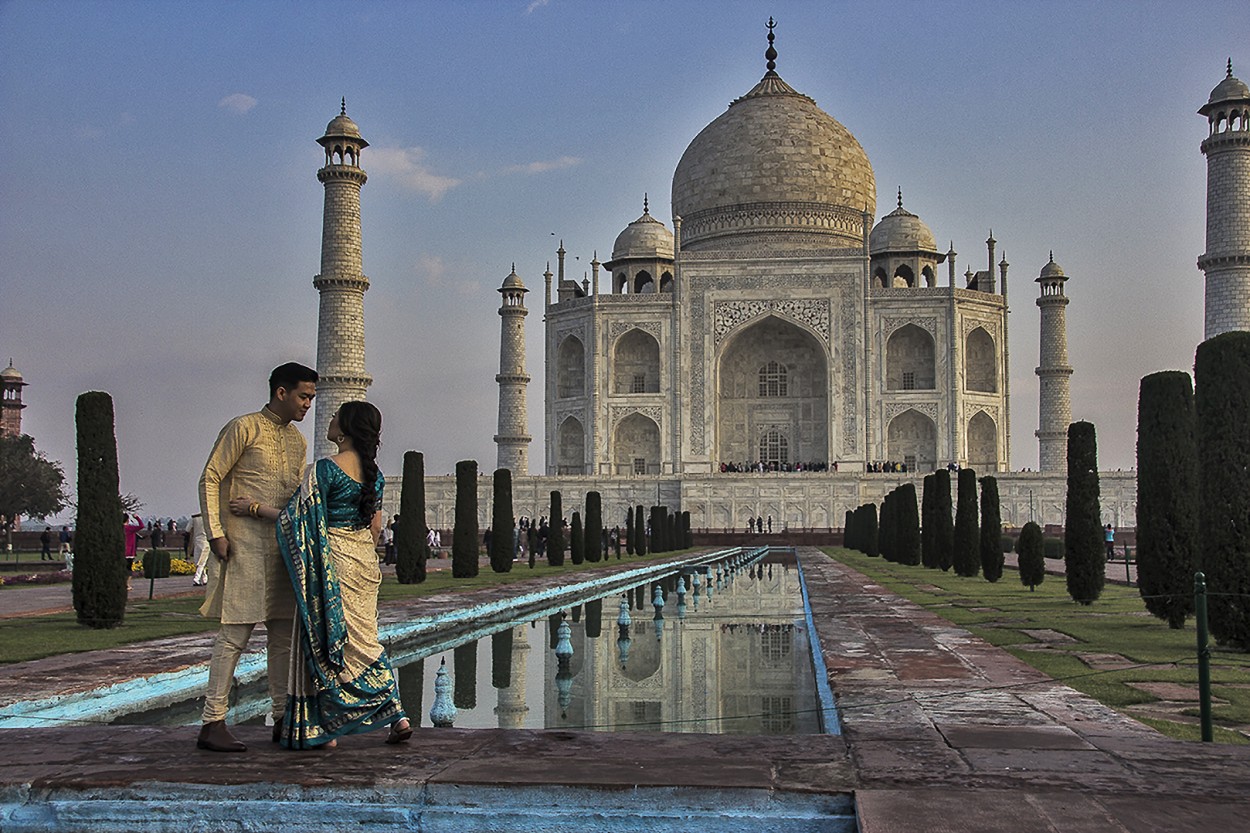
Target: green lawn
(34, 637)
(1116, 624)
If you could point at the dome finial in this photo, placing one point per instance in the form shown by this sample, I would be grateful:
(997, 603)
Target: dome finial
(771, 53)
(646, 208)
(900, 196)
(1052, 255)
(514, 267)
(1230, 68)
(343, 106)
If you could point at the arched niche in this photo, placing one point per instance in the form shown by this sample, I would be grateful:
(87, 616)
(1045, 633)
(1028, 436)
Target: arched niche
(983, 443)
(571, 447)
(571, 368)
(980, 362)
(904, 277)
(909, 359)
(636, 445)
(643, 282)
(912, 439)
(636, 363)
(743, 411)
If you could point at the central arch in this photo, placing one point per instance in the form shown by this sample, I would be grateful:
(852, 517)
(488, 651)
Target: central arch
(773, 376)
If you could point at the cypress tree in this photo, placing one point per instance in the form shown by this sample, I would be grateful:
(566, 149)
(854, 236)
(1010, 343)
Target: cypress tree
(886, 528)
(967, 552)
(464, 661)
(555, 532)
(674, 542)
(868, 534)
(593, 535)
(501, 659)
(577, 541)
(464, 535)
(99, 586)
(928, 521)
(943, 526)
(1083, 554)
(1031, 559)
(908, 537)
(848, 532)
(640, 531)
(502, 543)
(991, 531)
(594, 618)
(629, 531)
(1167, 495)
(411, 550)
(1221, 403)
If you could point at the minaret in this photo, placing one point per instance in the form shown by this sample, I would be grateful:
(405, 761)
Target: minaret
(1053, 372)
(510, 706)
(513, 438)
(342, 284)
(1226, 262)
(11, 406)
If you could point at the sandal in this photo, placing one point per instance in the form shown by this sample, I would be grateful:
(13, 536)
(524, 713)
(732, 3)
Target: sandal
(401, 730)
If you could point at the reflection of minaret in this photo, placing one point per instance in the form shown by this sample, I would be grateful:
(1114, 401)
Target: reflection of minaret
(341, 284)
(1226, 262)
(511, 707)
(513, 439)
(1054, 373)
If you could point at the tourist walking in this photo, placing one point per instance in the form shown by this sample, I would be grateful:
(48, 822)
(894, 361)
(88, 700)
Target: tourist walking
(262, 455)
(341, 680)
(45, 544)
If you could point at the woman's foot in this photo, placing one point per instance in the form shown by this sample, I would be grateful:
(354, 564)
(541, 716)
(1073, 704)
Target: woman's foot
(401, 730)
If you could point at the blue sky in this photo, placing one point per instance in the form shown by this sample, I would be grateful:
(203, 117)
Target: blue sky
(162, 216)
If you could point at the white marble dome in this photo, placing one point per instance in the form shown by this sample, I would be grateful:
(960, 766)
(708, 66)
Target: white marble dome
(774, 162)
(645, 237)
(901, 231)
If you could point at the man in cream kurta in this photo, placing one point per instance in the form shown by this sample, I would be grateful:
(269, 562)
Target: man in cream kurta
(261, 455)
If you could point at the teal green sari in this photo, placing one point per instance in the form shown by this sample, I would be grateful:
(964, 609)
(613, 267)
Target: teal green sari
(341, 680)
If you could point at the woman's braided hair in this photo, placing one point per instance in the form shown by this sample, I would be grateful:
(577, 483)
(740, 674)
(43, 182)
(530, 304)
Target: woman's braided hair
(362, 422)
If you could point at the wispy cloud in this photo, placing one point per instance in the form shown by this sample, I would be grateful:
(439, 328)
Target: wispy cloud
(237, 102)
(433, 272)
(544, 165)
(535, 4)
(406, 166)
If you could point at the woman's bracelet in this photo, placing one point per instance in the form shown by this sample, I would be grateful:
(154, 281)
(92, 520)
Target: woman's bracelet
(254, 510)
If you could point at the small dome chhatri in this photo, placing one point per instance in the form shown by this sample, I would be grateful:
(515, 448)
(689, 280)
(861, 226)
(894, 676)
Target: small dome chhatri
(1051, 270)
(10, 372)
(1229, 89)
(645, 237)
(513, 282)
(901, 231)
(342, 127)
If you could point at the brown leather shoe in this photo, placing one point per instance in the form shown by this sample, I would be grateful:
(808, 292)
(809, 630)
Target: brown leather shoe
(215, 737)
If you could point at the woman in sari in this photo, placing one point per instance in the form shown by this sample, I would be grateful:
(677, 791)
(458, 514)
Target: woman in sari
(341, 680)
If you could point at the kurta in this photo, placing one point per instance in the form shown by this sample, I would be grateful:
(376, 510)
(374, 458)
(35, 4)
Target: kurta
(257, 456)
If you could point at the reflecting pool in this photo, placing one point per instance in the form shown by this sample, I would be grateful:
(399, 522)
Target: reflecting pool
(724, 654)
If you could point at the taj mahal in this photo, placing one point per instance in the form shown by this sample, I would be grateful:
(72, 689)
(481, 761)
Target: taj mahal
(777, 350)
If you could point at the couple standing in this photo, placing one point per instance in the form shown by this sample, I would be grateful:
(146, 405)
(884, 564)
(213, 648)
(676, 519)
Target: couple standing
(293, 547)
